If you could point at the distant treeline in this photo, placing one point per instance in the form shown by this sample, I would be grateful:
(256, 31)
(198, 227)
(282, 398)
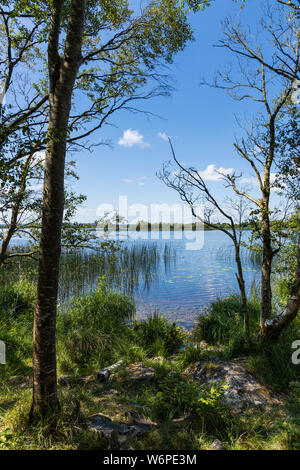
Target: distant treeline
(161, 226)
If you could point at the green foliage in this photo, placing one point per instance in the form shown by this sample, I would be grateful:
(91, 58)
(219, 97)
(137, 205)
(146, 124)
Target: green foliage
(16, 323)
(224, 326)
(225, 319)
(273, 362)
(177, 395)
(102, 310)
(285, 263)
(158, 337)
(291, 425)
(90, 335)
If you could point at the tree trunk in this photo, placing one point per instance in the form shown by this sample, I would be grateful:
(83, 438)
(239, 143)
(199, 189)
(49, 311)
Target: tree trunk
(15, 211)
(266, 290)
(62, 74)
(241, 283)
(273, 328)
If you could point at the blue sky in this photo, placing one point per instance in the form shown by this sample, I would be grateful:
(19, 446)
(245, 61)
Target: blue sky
(201, 121)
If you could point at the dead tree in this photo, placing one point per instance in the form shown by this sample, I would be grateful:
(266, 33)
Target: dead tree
(268, 81)
(192, 189)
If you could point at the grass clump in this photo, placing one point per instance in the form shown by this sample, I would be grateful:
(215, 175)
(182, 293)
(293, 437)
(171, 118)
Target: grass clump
(225, 319)
(92, 333)
(159, 337)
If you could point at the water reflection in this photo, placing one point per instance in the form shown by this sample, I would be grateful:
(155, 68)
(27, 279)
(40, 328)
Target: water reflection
(161, 274)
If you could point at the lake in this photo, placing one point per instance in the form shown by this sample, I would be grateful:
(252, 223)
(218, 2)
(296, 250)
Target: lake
(185, 281)
(177, 274)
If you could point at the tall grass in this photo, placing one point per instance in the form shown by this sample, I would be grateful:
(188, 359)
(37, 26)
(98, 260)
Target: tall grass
(132, 266)
(248, 257)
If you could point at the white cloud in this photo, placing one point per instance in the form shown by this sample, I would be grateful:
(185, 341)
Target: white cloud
(132, 137)
(85, 214)
(39, 157)
(211, 172)
(139, 178)
(36, 187)
(162, 135)
(127, 180)
(254, 181)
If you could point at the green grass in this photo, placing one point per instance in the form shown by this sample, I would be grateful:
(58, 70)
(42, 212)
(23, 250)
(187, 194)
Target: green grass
(223, 327)
(96, 330)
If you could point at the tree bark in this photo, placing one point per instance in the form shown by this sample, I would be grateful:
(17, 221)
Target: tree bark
(15, 211)
(62, 75)
(273, 328)
(266, 270)
(241, 283)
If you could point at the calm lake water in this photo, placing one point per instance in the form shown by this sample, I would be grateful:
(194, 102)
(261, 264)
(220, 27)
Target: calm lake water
(176, 273)
(187, 280)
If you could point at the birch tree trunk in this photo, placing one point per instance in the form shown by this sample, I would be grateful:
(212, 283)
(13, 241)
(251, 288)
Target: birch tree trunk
(62, 75)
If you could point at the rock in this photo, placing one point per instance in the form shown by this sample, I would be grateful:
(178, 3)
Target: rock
(139, 372)
(64, 381)
(125, 429)
(117, 431)
(158, 359)
(131, 416)
(123, 442)
(103, 425)
(244, 389)
(217, 445)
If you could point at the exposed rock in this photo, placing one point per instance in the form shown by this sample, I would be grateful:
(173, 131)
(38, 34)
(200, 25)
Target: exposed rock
(139, 372)
(159, 359)
(64, 381)
(123, 442)
(117, 431)
(103, 425)
(217, 445)
(134, 418)
(244, 390)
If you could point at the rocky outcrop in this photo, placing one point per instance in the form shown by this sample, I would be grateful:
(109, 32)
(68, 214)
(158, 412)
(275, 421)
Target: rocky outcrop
(139, 372)
(117, 433)
(244, 389)
(217, 445)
